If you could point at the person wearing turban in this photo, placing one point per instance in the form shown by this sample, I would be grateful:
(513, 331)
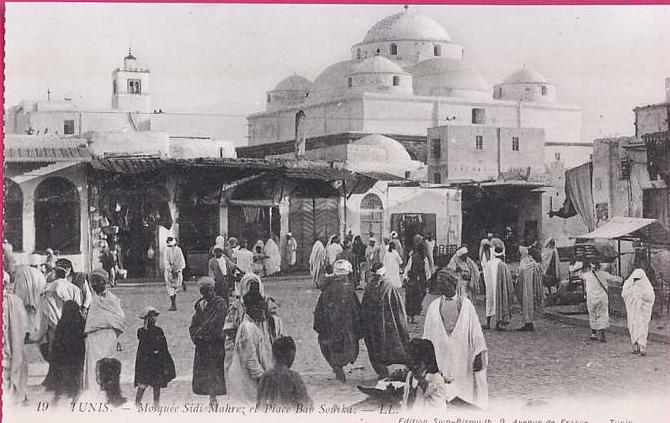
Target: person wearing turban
(206, 332)
(337, 320)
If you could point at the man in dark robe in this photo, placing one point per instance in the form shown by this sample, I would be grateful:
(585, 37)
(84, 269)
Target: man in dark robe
(337, 320)
(206, 332)
(528, 288)
(384, 323)
(218, 270)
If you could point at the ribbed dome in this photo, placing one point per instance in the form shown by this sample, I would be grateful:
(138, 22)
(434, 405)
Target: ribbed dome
(387, 148)
(406, 26)
(331, 82)
(294, 83)
(376, 64)
(450, 74)
(526, 76)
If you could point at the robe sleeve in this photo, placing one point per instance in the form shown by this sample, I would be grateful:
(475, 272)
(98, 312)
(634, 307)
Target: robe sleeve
(248, 356)
(88, 296)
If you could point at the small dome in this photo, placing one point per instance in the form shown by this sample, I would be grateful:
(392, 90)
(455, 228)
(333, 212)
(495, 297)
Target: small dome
(331, 83)
(294, 83)
(525, 76)
(406, 26)
(439, 74)
(387, 148)
(376, 64)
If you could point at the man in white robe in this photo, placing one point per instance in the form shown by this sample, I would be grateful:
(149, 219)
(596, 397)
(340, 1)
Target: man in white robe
(104, 325)
(638, 294)
(243, 258)
(273, 260)
(14, 359)
(291, 252)
(29, 283)
(453, 327)
(317, 260)
(333, 249)
(174, 268)
(491, 281)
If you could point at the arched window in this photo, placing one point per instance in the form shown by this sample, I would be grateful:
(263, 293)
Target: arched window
(269, 99)
(437, 50)
(350, 82)
(394, 49)
(396, 80)
(14, 214)
(372, 216)
(57, 216)
(358, 54)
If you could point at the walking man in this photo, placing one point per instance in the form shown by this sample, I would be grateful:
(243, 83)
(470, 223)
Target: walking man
(174, 266)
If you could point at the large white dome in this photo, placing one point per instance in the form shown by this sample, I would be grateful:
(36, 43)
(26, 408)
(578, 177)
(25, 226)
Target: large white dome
(376, 64)
(294, 83)
(331, 83)
(448, 77)
(406, 26)
(385, 149)
(525, 76)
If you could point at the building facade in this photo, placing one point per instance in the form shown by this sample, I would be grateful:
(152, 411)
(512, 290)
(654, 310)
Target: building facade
(408, 75)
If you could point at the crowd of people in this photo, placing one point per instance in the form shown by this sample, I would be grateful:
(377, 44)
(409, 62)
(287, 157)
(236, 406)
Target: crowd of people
(241, 345)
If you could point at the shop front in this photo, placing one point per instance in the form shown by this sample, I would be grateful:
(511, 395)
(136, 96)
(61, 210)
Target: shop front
(130, 214)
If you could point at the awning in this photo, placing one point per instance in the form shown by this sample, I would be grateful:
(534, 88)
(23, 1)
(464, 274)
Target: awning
(630, 228)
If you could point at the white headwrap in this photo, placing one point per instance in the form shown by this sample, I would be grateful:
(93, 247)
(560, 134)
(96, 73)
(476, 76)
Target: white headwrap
(342, 268)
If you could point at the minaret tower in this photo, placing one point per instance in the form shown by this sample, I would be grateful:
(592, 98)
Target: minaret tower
(130, 87)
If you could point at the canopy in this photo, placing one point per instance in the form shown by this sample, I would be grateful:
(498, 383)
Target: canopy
(629, 228)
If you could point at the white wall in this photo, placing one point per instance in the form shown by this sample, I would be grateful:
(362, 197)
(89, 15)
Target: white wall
(445, 203)
(130, 143)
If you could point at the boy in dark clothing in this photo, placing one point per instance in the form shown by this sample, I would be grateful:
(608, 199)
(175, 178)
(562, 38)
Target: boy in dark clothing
(281, 386)
(153, 365)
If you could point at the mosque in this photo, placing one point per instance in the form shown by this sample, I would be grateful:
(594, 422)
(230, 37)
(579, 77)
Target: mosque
(405, 76)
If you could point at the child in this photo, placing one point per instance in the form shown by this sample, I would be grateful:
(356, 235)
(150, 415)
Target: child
(281, 386)
(425, 386)
(153, 365)
(67, 354)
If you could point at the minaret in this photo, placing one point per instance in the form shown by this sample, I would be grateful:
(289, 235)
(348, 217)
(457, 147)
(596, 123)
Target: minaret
(130, 86)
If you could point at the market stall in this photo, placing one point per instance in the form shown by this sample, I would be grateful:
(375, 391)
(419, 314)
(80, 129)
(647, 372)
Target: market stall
(637, 239)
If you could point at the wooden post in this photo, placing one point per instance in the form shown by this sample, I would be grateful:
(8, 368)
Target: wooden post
(619, 259)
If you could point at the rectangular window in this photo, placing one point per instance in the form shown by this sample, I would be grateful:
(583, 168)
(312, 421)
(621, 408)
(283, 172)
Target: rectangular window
(394, 49)
(408, 174)
(437, 50)
(437, 178)
(625, 169)
(515, 143)
(557, 156)
(68, 127)
(478, 116)
(479, 142)
(436, 148)
(544, 90)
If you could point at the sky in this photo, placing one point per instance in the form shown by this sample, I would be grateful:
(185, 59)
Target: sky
(221, 59)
